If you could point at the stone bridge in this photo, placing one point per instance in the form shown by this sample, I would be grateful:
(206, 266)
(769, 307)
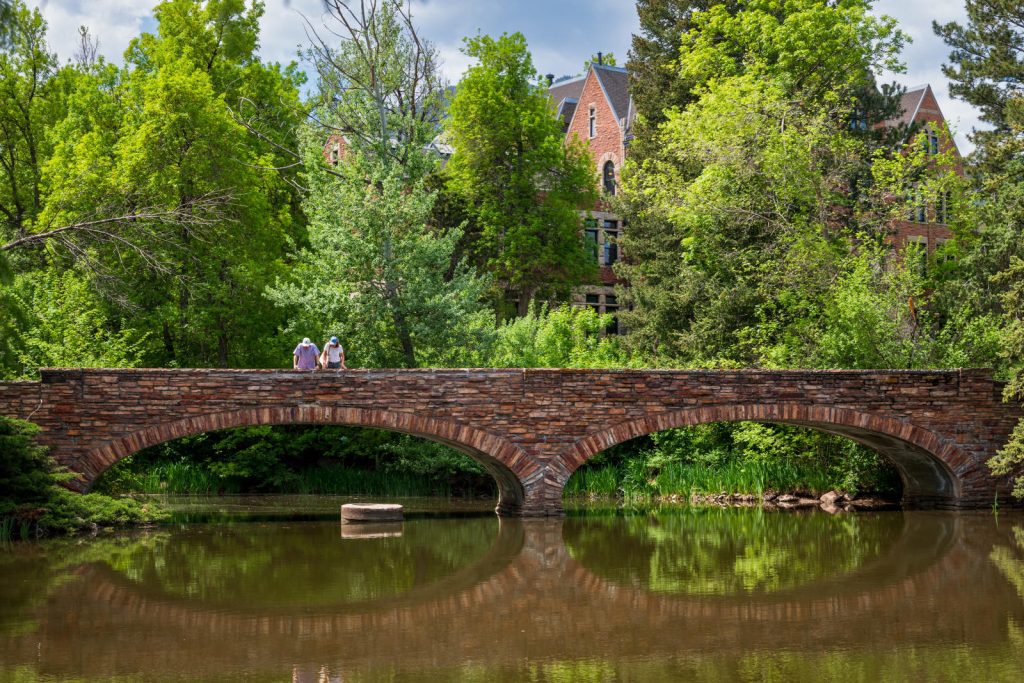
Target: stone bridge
(532, 428)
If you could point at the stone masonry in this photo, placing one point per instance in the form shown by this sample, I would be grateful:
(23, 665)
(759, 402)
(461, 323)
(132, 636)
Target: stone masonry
(532, 428)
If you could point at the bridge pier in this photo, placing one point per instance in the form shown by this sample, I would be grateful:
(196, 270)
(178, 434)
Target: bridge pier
(541, 497)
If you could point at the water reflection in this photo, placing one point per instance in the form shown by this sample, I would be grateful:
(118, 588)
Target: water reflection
(712, 595)
(747, 551)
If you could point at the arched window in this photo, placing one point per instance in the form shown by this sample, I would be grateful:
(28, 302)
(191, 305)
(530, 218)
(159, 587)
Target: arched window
(609, 177)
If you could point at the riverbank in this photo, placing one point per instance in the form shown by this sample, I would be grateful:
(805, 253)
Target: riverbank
(33, 502)
(733, 481)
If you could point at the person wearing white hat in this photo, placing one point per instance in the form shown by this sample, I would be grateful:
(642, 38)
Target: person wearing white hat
(305, 356)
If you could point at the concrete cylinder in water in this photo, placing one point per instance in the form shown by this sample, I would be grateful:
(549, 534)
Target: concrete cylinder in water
(354, 513)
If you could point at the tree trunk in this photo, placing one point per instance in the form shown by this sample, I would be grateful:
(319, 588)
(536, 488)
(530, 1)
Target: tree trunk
(404, 337)
(526, 294)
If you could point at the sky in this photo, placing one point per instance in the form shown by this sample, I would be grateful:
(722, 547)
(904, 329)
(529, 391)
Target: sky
(562, 34)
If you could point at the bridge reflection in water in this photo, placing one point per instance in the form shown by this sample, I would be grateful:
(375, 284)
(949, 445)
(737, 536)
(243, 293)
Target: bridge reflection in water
(502, 596)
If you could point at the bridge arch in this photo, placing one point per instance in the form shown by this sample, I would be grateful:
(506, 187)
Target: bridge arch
(929, 465)
(505, 462)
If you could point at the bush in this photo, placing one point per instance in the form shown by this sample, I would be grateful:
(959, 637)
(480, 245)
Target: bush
(32, 499)
(736, 458)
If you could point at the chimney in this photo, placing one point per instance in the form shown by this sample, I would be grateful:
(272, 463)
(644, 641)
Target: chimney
(550, 78)
(600, 59)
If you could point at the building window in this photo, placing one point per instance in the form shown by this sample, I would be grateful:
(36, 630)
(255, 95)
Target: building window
(609, 177)
(611, 242)
(590, 242)
(594, 302)
(942, 208)
(931, 141)
(918, 212)
(944, 252)
(917, 253)
(593, 122)
(859, 120)
(611, 307)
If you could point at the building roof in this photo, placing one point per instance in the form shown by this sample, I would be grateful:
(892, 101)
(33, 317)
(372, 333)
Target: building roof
(567, 90)
(615, 83)
(910, 104)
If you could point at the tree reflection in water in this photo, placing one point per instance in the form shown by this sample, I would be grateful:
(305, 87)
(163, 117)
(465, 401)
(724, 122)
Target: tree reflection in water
(718, 551)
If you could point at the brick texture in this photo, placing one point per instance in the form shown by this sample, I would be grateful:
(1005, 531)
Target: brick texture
(607, 145)
(532, 428)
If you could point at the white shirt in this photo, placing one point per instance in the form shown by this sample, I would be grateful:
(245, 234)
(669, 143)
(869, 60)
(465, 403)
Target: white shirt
(334, 353)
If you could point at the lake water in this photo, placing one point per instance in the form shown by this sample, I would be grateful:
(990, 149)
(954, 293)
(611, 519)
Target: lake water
(701, 594)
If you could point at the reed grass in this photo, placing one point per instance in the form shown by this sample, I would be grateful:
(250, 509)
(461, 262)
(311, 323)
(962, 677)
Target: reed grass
(180, 478)
(736, 477)
(732, 477)
(185, 478)
(601, 481)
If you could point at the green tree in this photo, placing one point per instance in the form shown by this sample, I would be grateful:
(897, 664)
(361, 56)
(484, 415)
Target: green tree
(1011, 459)
(25, 467)
(66, 325)
(607, 59)
(6, 20)
(159, 133)
(987, 63)
(524, 186)
(377, 271)
(565, 337)
(32, 497)
(32, 99)
(12, 317)
(742, 200)
(376, 274)
(379, 82)
(655, 84)
(987, 70)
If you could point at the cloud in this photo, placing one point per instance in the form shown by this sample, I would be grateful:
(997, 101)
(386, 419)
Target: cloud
(113, 22)
(925, 56)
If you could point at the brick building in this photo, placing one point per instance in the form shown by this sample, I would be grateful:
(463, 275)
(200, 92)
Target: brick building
(598, 109)
(926, 223)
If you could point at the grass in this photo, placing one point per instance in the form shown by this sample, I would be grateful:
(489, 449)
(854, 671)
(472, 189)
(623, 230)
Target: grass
(743, 478)
(185, 478)
(686, 479)
(181, 478)
(600, 481)
(6, 529)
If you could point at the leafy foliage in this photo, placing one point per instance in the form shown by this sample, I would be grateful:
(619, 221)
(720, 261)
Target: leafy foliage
(564, 337)
(987, 62)
(31, 494)
(377, 275)
(987, 70)
(522, 182)
(740, 210)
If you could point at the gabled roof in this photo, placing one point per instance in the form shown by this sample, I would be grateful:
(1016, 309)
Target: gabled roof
(567, 109)
(910, 104)
(567, 90)
(615, 83)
